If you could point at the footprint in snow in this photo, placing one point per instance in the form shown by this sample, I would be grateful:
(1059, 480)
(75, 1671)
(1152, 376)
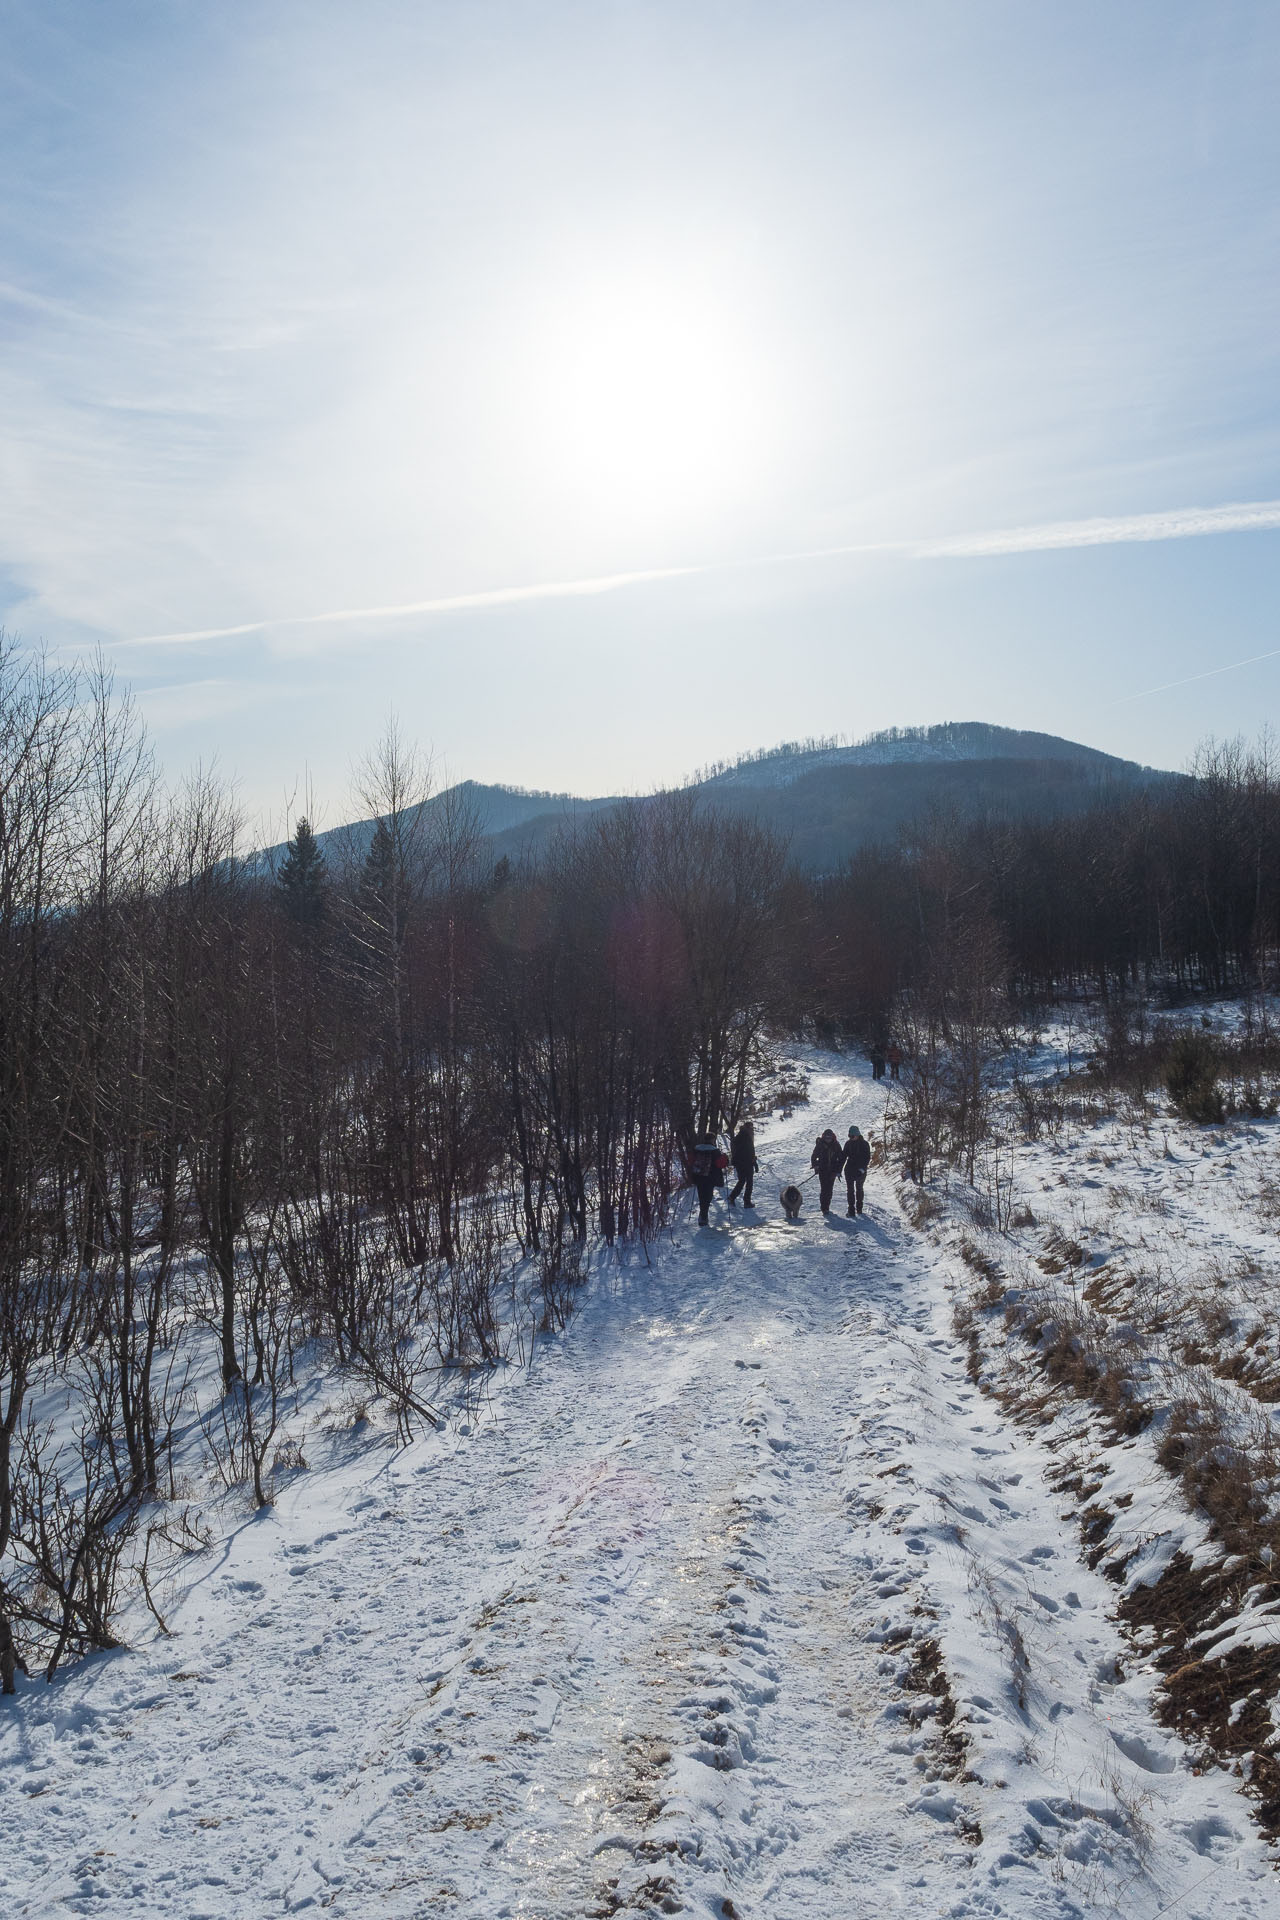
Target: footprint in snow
(1203, 1833)
(1151, 1760)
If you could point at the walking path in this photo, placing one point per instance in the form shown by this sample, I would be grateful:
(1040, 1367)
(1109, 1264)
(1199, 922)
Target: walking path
(652, 1634)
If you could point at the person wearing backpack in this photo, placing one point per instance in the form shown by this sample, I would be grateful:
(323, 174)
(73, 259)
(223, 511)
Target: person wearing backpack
(826, 1161)
(706, 1164)
(745, 1164)
(855, 1159)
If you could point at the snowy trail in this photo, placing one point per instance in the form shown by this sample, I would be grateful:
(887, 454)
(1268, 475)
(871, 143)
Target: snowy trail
(635, 1642)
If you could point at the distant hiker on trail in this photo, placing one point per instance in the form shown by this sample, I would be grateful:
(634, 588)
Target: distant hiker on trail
(745, 1164)
(877, 1063)
(826, 1161)
(706, 1165)
(856, 1159)
(895, 1058)
(11, 1661)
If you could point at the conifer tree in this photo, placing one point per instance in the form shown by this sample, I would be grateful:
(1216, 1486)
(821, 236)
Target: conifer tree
(380, 883)
(304, 879)
(380, 907)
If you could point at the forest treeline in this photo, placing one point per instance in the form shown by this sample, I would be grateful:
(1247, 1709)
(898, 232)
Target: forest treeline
(1176, 886)
(379, 1105)
(382, 1104)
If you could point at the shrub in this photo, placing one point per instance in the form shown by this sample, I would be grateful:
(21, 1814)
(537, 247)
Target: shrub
(1256, 1102)
(1191, 1077)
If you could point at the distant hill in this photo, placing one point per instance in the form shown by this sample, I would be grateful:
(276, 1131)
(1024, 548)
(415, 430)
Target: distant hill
(826, 797)
(498, 812)
(955, 740)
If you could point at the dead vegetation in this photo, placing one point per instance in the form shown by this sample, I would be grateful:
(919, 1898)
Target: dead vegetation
(948, 1752)
(1220, 1703)
(1159, 1333)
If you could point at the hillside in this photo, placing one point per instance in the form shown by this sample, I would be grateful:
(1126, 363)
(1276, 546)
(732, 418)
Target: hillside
(497, 812)
(953, 742)
(825, 797)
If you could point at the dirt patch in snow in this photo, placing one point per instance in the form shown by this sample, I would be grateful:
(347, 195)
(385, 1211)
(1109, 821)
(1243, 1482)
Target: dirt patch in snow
(948, 1752)
(1219, 1702)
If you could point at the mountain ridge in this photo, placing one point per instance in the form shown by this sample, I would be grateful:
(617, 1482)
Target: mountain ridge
(828, 796)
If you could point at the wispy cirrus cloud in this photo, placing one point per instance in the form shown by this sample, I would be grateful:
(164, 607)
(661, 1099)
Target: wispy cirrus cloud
(453, 603)
(1179, 523)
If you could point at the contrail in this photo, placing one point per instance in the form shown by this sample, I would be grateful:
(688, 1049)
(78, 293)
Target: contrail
(456, 603)
(1179, 523)
(1209, 674)
(1183, 523)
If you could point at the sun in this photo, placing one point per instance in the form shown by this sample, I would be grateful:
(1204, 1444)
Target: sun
(648, 394)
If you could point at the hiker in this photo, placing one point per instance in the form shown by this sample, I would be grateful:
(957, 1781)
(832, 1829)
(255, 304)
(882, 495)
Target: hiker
(706, 1165)
(11, 1661)
(856, 1159)
(745, 1164)
(894, 1057)
(877, 1063)
(825, 1161)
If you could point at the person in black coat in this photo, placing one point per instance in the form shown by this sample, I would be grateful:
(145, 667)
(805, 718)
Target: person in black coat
(826, 1162)
(855, 1159)
(705, 1164)
(11, 1661)
(745, 1164)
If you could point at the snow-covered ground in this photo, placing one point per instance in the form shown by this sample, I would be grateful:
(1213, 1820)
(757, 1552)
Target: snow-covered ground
(743, 1600)
(1126, 1311)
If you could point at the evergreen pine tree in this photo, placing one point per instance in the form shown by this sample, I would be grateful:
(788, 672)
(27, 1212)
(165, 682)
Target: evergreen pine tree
(304, 879)
(380, 906)
(379, 893)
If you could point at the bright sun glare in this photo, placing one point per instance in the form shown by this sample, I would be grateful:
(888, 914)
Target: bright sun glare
(648, 397)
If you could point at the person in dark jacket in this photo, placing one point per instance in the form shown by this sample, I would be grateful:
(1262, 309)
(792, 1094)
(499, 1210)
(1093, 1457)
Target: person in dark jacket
(745, 1164)
(11, 1661)
(877, 1063)
(855, 1159)
(826, 1161)
(706, 1165)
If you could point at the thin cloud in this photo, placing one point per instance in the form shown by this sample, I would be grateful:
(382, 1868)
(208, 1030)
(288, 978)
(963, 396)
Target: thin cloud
(455, 603)
(1210, 673)
(1180, 523)
(1186, 523)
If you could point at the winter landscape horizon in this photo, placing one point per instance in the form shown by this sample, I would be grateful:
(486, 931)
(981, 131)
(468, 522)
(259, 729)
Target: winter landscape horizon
(611, 395)
(639, 960)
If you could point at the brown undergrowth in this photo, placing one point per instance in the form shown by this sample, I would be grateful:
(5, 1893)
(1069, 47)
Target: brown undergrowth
(927, 1675)
(947, 1753)
(1221, 1704)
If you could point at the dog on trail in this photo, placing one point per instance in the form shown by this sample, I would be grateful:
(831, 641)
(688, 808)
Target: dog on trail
(792, 1199)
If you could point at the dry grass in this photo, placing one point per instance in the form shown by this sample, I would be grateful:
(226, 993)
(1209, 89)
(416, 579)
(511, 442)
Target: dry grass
(920, 1204)
(1220, 1705)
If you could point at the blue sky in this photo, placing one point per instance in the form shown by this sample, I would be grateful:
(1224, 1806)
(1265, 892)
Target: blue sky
(686, 366)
